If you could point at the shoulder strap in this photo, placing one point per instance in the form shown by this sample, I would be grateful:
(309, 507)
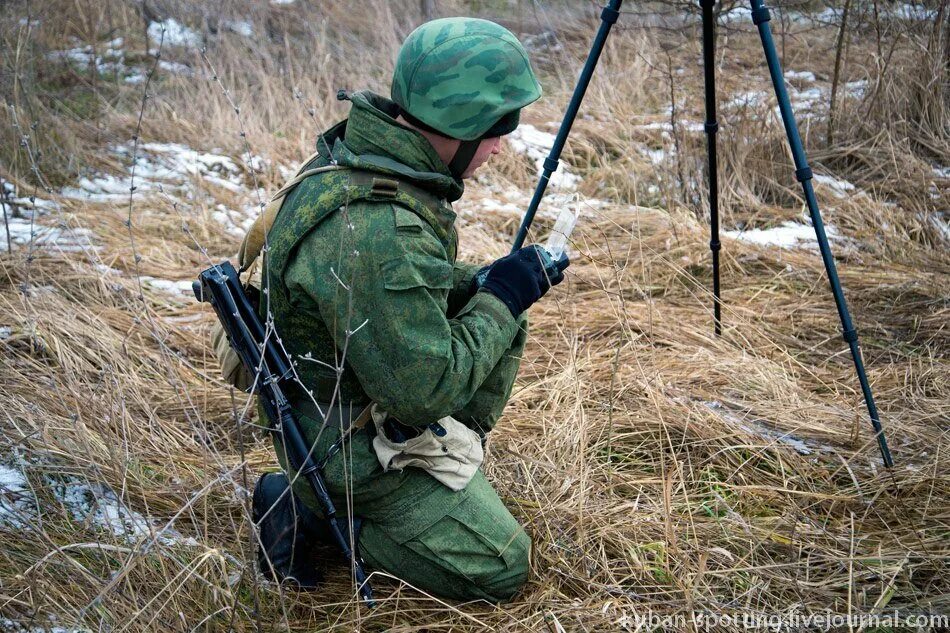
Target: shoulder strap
(344, 185)
(424, 204)
(254, 239)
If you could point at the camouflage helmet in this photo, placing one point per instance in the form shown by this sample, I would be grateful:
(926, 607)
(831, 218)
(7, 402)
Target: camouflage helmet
(464, 78)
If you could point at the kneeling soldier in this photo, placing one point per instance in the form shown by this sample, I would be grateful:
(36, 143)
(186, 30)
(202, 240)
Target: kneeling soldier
(405, 361)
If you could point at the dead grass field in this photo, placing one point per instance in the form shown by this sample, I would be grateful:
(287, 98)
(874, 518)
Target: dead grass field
(659, 469)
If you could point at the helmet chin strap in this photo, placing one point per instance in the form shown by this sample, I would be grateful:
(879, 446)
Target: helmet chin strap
(463, 157)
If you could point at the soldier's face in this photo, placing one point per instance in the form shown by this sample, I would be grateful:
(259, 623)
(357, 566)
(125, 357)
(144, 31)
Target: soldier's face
(485, 149)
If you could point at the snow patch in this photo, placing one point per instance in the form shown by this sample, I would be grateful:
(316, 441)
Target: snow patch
(941, 222)
(856, 89)
(738, 13)
(801, 75)
(176, 33)
(667, 127)
(804, 99)
(241, 27)
(839, 188)
(756, 427)
(747, 99)
(112, 60)
(14, 496)
(62, 239)
(159, 166)
(536, 144)
(788, 235)
(11, 626)
(175, 287)
(656, 156)
(98, 504)
(915, 12)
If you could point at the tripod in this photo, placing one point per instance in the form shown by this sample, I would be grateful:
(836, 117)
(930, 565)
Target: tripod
(803, 173)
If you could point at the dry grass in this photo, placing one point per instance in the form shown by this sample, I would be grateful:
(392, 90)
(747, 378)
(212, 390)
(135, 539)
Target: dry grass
(652, 463)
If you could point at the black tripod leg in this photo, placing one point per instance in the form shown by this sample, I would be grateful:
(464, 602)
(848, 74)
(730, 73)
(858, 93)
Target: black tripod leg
(760, 16)
(711, 127)
(608, 18)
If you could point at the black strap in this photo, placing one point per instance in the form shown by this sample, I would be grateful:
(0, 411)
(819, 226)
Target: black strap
(463, 157)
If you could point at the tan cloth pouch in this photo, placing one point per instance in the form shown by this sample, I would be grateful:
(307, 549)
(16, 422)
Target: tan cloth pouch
(451, 458)
(232, 369)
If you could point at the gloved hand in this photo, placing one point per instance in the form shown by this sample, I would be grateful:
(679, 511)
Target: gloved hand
(520, 279)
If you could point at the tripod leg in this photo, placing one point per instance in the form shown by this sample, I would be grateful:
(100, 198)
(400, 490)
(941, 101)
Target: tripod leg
(803, 173)
(608, 17)
(711, 127)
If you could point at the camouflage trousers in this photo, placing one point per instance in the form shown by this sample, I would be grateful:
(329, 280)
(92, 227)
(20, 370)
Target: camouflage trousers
(464, 545)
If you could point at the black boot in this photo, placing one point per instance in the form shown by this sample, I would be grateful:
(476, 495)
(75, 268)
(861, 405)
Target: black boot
(288, 533)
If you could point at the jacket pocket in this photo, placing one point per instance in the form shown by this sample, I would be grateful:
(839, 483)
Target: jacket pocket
(406, 272)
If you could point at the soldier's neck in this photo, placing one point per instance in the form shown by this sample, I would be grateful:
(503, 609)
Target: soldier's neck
(445, 147)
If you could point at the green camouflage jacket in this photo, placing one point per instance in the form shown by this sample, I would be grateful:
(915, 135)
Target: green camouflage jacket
(373, 282)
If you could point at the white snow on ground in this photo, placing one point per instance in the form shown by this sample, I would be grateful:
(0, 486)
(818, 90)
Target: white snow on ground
(176, 33)
(941, 172)
(51, 238)
(14, 497)
(168, 165)
(902, 11)
(941, 222)
(175, 67)
(656, 156)
(138, 75)
(236, 223)
(839, 188)
(856, 89)
(802, 75)
(756, 427)
(179, 287)
(37, 203)
(536, 144)
(666, 126)
(93, 504)
(738, 13)
(747, 99)
(788, 235)
(10, 626)
(111, 60)
(241, 27)
(906, 11)
(804, 99)
(98, 505)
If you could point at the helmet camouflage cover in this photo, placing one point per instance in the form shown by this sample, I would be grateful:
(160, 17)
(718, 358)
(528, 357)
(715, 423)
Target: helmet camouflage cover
(464, 77)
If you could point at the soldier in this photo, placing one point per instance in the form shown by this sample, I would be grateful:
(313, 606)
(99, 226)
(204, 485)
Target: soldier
(361, 280)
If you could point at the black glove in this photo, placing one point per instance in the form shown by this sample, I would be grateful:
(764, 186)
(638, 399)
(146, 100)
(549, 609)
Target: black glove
(520, 279)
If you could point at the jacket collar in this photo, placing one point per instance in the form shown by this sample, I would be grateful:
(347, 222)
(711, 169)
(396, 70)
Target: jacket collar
(375, 141)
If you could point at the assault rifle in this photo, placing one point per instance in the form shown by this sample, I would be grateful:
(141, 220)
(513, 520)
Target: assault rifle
(264, 358)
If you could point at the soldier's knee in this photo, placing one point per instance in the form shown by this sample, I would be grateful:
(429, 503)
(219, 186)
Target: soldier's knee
(504, 585)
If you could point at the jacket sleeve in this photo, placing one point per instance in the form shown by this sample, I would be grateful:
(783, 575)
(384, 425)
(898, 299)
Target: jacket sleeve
(381, 280)
(460, 293)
